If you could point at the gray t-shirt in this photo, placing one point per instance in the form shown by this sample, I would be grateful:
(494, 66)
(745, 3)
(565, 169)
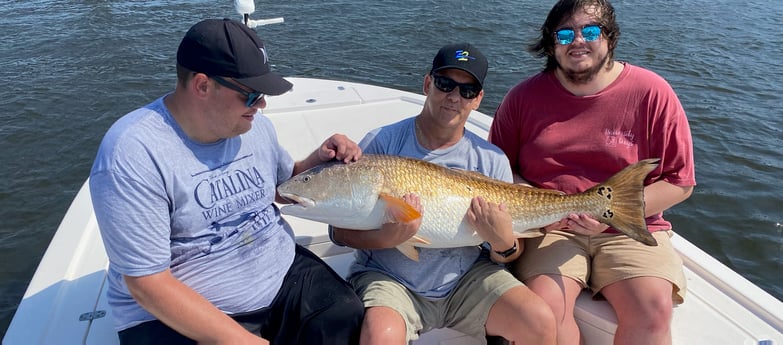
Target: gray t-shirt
(438, 270)
(203, 210)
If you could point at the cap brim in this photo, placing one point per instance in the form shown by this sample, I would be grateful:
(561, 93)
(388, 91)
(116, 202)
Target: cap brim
(270, 83)
(460, 68)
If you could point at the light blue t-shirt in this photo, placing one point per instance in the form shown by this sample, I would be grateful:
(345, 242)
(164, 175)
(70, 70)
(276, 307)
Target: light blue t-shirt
(439, 269)
(205, 211)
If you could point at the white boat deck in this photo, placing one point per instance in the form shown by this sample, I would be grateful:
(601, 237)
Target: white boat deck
(65, 302)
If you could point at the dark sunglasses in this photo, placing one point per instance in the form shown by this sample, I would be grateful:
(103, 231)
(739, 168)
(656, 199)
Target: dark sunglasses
(566, 36)
(252, 97)
(446, 84)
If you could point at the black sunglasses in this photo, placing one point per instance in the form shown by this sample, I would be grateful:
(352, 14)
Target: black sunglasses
(446, 84)
(252, 97)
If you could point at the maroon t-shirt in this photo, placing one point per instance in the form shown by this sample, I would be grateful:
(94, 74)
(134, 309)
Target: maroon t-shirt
(556, 140)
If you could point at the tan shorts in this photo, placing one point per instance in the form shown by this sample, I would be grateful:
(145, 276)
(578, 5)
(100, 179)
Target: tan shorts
(600, 260)
(465, 309)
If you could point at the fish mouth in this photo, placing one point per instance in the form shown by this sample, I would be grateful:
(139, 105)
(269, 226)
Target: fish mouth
(297, 200)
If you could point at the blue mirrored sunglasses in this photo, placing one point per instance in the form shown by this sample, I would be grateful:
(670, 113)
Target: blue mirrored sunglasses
(566, 36)
(446, 84)
(252, 97)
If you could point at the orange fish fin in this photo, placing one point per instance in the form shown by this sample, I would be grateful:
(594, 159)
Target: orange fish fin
(407, 249)
(398, 209)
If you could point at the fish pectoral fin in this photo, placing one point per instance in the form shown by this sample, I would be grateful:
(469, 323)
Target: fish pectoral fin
(398, 209)
(407, 249)
(419, 239)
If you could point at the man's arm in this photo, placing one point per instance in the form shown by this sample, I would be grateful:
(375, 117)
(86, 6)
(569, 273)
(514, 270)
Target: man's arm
(661, 196)
(186, 311)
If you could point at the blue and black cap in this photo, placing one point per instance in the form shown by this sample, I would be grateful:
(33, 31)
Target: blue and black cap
(462, 56)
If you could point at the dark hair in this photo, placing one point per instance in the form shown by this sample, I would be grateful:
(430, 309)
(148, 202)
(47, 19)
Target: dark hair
(184, 75)
(565, 9)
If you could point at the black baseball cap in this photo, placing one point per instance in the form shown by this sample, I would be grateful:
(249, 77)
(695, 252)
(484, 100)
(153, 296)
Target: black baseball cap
(228, 48)
(462, 56)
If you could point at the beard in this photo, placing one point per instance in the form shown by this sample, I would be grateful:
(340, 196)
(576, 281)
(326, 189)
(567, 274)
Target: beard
(584, 76)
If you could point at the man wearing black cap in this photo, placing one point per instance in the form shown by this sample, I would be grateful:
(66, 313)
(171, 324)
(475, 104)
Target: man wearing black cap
(183, 191)
(459, 288)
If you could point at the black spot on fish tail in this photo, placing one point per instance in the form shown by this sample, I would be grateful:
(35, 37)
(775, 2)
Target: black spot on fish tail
(605, 191)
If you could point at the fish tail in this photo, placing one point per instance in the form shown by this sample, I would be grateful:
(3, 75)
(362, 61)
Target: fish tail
(625, 192)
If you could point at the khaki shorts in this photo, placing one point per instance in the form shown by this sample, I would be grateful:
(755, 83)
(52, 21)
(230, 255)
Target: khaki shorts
(614, 257)
(465, 309)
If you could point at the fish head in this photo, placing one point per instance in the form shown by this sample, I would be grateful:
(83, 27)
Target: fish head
(334, 193)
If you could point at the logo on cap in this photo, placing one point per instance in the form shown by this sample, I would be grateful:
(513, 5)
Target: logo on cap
(463, 55)
(263, 52)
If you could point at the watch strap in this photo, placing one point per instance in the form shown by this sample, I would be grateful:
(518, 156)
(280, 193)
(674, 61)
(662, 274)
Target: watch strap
(508, 252)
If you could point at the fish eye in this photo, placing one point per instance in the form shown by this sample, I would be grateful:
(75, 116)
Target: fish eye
(306, 179)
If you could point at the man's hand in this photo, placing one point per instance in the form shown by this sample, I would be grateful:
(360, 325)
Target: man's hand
(394, 233)
(339, 147)
(493, 224)
(390, 235)
(579, 224)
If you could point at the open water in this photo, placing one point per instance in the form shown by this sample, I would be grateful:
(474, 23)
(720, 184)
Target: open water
(70, 68)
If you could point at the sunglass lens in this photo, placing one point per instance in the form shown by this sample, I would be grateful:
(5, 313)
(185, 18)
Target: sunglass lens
(565, 36)
(591, 32)
(253, 99)
(468, 92)
(444, 84)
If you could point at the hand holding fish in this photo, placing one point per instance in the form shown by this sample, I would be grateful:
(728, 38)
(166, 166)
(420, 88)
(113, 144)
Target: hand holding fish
(579, 224)
(585, 225)
(395, 233)
(493, 223)
(400, 225)
(339, 147)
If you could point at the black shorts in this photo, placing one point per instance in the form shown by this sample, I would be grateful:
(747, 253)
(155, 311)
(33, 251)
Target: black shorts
(314, 306)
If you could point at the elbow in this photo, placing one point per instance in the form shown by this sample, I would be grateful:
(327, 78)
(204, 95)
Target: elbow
(687, 192)
(142, 288)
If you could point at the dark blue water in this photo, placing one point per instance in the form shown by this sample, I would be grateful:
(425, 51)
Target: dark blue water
(68, 69)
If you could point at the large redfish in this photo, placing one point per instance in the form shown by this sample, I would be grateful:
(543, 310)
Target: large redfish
(365, 194)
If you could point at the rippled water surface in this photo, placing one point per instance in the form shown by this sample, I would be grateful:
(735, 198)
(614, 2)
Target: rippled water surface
(70, 68)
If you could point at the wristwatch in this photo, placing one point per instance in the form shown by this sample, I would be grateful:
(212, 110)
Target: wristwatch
(508, 252)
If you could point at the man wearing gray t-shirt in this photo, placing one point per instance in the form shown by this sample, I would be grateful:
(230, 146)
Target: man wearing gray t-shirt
(464, 288)
(184, 190)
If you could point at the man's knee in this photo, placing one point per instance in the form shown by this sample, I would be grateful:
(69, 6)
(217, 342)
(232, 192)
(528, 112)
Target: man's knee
(383, 325)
